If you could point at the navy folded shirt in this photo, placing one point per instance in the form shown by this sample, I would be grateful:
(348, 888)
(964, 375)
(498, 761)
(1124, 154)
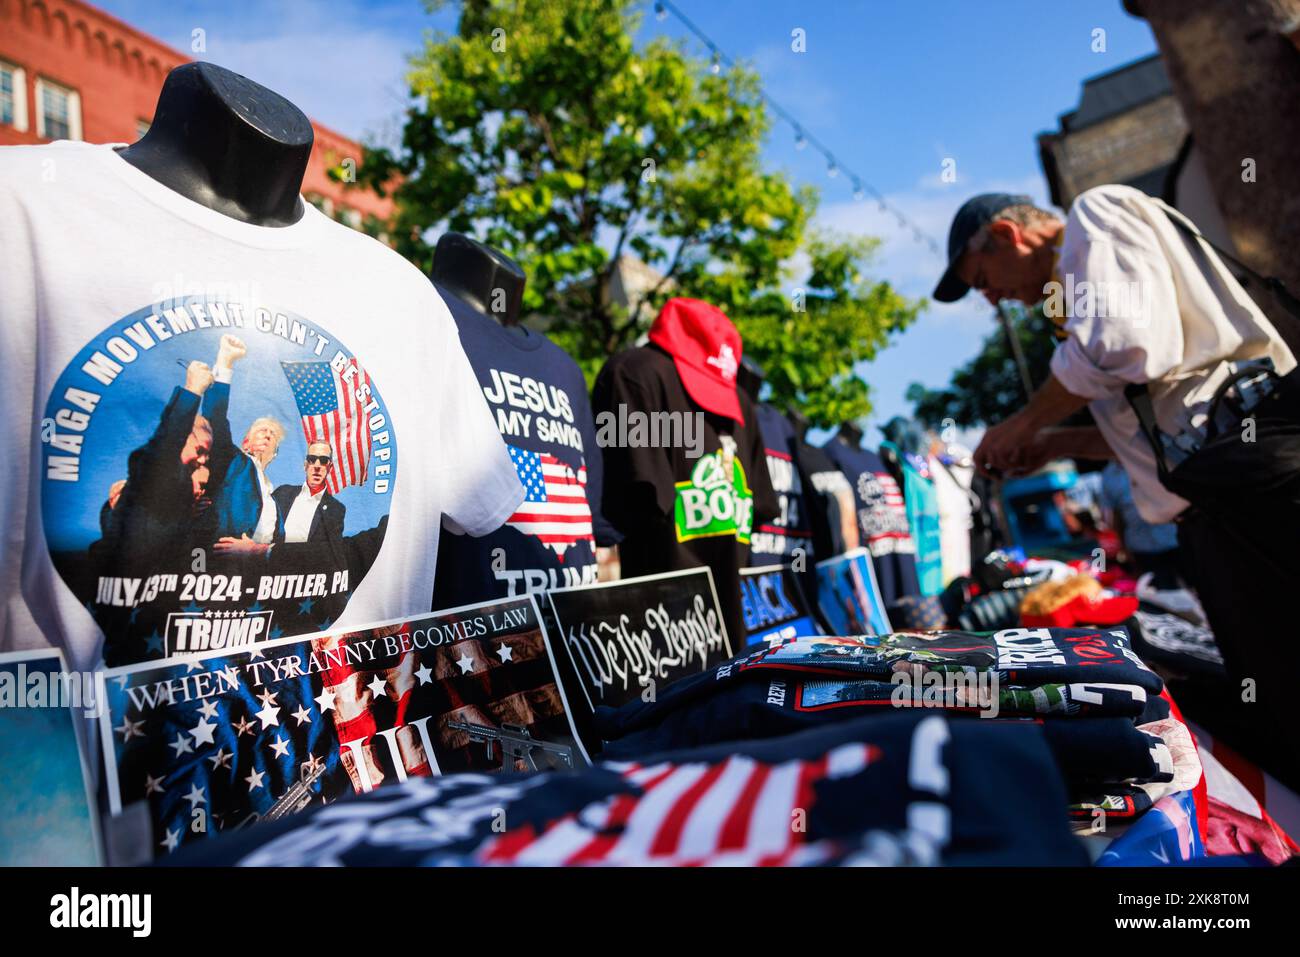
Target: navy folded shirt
(1017, 657)
(895, 790)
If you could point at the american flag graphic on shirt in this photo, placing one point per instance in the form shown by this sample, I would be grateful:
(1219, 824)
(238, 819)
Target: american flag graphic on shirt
(332, 412)
(736, 812)
(555, 508)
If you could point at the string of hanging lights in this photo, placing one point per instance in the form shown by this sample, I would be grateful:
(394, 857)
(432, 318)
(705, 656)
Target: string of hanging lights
(719, 60)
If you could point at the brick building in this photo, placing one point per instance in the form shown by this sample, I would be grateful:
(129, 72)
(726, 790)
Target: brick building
(1128, 128)
(71, 71)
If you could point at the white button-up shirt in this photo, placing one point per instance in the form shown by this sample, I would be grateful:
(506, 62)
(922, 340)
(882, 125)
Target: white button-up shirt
(297, 524)
(1174, 317)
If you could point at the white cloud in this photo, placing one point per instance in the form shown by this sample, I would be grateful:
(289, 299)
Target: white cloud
(343, 63)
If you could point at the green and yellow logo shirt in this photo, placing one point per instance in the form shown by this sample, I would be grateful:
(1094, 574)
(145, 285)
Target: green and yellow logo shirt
(715, 501)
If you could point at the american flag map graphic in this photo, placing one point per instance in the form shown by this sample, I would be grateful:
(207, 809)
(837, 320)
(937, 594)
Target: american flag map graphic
(555, 508)
(331, 412)
(224, 738)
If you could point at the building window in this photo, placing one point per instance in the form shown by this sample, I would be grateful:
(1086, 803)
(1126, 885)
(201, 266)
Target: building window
(58, 111)
(13, 96)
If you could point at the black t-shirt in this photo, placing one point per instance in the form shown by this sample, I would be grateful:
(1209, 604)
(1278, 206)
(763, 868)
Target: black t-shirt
(538, 399)
(677, 511)
(882, 519)
(775, 542)
(822, 479)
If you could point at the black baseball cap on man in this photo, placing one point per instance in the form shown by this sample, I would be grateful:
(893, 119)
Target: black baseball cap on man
(976, 213)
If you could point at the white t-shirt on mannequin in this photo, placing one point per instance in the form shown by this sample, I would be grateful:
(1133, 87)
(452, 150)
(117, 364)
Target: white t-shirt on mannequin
(131, 511)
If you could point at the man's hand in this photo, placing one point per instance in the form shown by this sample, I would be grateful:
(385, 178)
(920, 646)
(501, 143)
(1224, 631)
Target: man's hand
(231, 350)
(240, 546)
(198, 377)
(1008, 447)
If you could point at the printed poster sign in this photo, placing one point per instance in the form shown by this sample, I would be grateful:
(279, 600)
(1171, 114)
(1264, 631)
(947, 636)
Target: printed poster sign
(47, 806)
(849, 597)
(214, 474)
(217, 742)
(634, 637)
(773, 605)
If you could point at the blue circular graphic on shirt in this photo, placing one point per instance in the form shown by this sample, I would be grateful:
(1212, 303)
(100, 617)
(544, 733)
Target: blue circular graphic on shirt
(214, 474)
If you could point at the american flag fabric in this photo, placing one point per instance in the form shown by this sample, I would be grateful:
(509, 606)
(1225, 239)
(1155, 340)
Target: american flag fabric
(898, 789)
(555, 509)
(331, 412)
(221, 739)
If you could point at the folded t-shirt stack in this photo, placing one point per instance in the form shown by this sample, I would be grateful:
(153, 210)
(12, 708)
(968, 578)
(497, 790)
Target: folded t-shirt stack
(1096, 701)
(902, 789)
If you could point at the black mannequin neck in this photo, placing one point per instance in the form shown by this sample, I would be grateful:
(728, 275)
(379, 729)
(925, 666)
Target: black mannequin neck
(485, 279)
(227, 143)
(850, 434)
(749, 377)
(799, 422)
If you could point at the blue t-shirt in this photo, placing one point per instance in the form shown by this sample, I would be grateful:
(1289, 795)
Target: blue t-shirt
(882, 519)
(922, 505)
(1139, 534)
(774, 542)
(539, 402)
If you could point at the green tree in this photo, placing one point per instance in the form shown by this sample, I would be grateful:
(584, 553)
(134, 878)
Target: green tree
(543, 129)
(988, 388)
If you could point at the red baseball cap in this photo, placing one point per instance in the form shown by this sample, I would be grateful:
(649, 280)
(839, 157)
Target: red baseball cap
(706, 349)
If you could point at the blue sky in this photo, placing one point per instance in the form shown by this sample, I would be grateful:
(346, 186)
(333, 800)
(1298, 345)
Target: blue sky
(892, 87)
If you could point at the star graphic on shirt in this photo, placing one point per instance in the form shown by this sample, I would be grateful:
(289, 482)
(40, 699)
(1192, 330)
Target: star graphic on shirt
(378, 687)
(268, 716)
(276, 632)
(153, 785)
(325, 700)
(208, 709)
(202, 732)
(466, 663)
(280, 746)
(313, 764)
(505, 653)
(324, 625)
(244, 726)
(154, 642)
(221, 759)
(424, 674)
(254, 608)
(255, 779)
(267, 698)
(192, 608)
(172, 840)
(231, 674)
(303, 716)
(130, 729)
(304, 608)
(196, 796)
(255, 652)
(181, 745)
